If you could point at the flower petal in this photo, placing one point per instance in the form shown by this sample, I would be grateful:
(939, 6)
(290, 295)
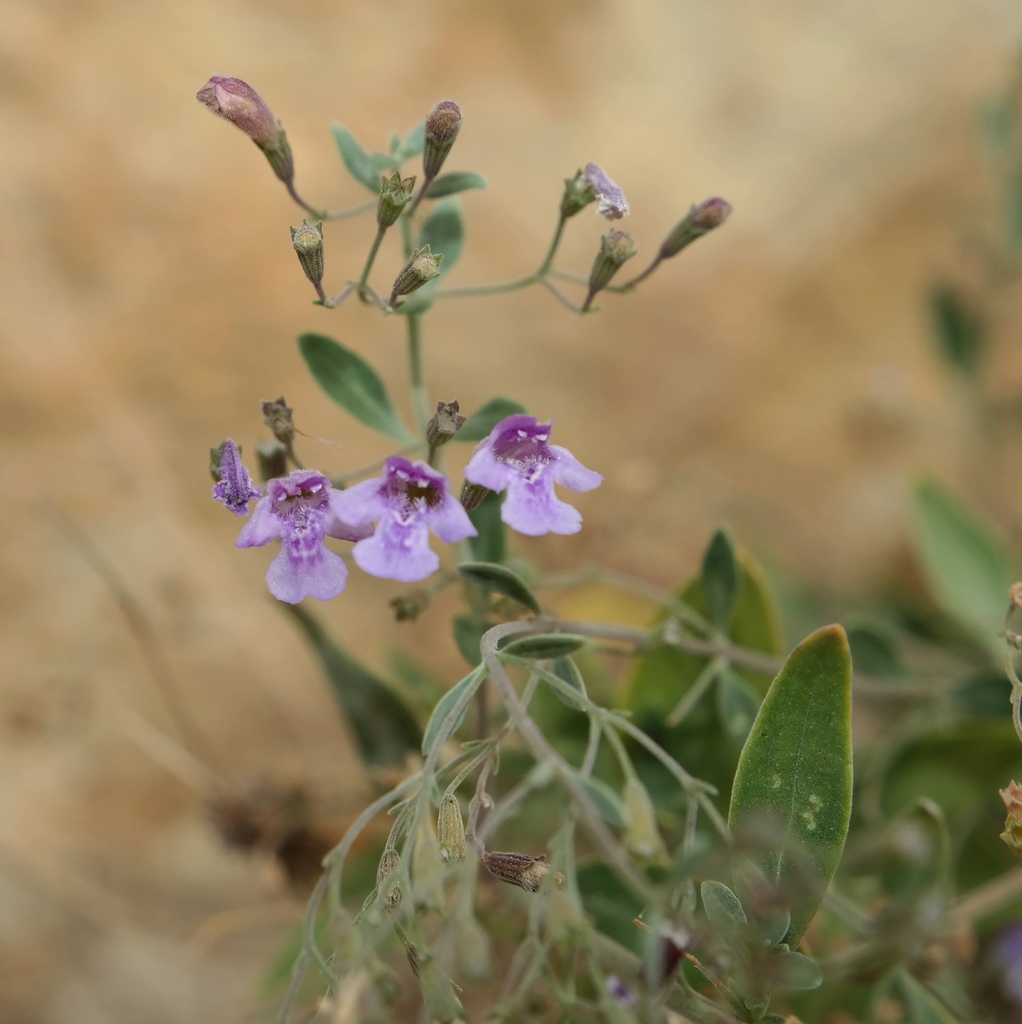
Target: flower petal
(487, 470)
(359, 505)
(263, 527)
(397, 552)
(321, 574)
(533, 509)
(450, 522)
(570, 473)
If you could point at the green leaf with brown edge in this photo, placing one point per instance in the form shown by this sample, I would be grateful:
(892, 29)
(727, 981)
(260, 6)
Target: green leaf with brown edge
(383, 727)
(793, 787)
(501, 580)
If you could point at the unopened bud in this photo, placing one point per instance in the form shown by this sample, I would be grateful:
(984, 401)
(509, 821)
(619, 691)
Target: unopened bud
(236, 101)
(442, 126)
(388, 892)
(395, 194)
(616, 248)
(1012, 834)
(578, 194)
(520, 869)
(408, 607)
(700, 220)
(271, 457)
(446, 422)
(279, 417)
(450, 829)
(308, 242)
(641, 837)
(421, 268)
(472, 495)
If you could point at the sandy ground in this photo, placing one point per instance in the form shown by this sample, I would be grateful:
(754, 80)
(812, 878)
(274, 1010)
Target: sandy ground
(780, 376)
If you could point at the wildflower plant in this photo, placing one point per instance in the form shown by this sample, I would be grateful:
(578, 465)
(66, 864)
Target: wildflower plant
(666, 843)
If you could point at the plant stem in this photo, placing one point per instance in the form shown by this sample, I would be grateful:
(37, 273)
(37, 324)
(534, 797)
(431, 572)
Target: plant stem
(351, 211)
(370, 259)
(420, 397)
(694, 694)
(308, 208)
(340, 482)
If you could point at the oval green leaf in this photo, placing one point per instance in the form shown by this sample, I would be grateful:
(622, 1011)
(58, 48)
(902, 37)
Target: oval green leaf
(353, 384)
(454, 181)
(544, 645)
(569, 673)
(723, 909)
(444, 232)
(498, 579)
(484, 419)
(413, 143)
(791, 970)
(794, 777)
(356, 159)
(450, 710)
(607, 803)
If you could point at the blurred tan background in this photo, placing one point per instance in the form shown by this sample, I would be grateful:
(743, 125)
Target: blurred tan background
(780, 374)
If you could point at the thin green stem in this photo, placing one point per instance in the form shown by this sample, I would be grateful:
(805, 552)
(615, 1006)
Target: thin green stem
(351, 211)
(420, 395)
(370, 259)
(695, 692)
(342, 481)
(544, 267)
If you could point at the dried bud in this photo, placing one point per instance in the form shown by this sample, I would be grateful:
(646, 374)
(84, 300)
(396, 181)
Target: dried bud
(308, 242)
(578, 194)
(408, 607)
(472, 495)
(421, 268)
(442, 126)
(1012, 834)
(520, 869)
(388, 892)
(700, 219)
(272, 459)
(450, 829)
(236, 101)
(446, 422)
(616, 247)
(279, 417)
(642, 837)
(395, 194)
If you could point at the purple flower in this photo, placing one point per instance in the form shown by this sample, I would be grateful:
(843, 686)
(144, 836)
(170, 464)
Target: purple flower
(236, 101)
(1007, 954)
(408, 501)
(517, 455)
(235, 488)
(612, 203)
(622, 994)
(300, 510)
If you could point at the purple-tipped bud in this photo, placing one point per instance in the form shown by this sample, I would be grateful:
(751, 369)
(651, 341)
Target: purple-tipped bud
(234, 486)
(612, 203)
(442, 126)
(421, 268)
(616, 247)
(236, 101)
(705, 217)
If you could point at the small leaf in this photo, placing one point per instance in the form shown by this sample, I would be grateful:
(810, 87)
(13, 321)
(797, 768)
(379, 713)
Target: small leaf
(967, 566)
(450, 710)
(383, 727)
(605, 800)
(960, 331)
(771, 926)
(794, 971)
(794, 777)
(355, 158)
(484, 419)
(468, 631)
(454, 181)
(544, 645)
(737, 704)
(500, 580)
(720, 578)
(874, 648)
(413, 143)
(723, 908)
(352, 383)
(444, 233)
(490, 542)
(568, 672)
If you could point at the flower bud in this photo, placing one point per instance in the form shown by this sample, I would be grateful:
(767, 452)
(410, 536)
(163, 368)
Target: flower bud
(395, 194)
(388, 892)
(308, 242)
(612, 203)
(1012, 834)
(700, 219)
(442, 126)
(578, 194)
(520, 869)
(446, 422)
(641, 837)
(271, 457)
(472, 495)
(408, 607)
(450, 829)
(236, 101)
(616, 247)
(421, 268)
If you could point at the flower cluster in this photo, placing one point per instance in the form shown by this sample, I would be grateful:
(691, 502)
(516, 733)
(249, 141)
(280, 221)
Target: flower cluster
(391, 517)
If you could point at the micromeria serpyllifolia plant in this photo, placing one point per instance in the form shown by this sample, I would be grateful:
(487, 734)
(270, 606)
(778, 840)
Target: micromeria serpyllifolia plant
(662, 839)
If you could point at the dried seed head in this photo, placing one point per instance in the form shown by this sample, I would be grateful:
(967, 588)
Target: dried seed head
(446, 422)
(450, 829)
(388, 888)
(395, 194)
(308, 242)
(421, 268)
(520, 869)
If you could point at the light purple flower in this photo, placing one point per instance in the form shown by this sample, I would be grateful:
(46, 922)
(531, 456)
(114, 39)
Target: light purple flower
(236, 101)
(300, 510)
(612, 203)
(517, 455)
(622, 994)
(408, 501)
(1007, 954)
(235, 488)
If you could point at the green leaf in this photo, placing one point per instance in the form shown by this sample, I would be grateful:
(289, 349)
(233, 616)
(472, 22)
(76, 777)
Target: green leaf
(794, 777)
(569, 673)
(720, 578)
(413, 143)
(737, 704)
(356, 159)
(788, 969)
(723, 908)
(383, 727)
(444, 233)
(960, 331)
(484, 419)
(918, 847)
(544, 645)
(454, 181)
(874, 648)
(468, 631)
(353, 384)
(605, 800)
(450, 710)
(490, 542)
(967, 566)
(500, 580)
